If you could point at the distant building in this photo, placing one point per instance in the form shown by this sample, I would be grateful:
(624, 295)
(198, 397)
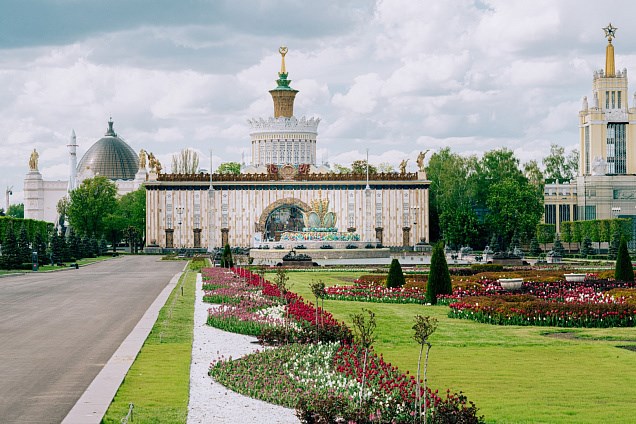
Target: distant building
(110, 156)
(606, 185)
(283, 192)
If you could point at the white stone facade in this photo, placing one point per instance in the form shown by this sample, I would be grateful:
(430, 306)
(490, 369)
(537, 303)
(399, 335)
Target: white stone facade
(282, 141)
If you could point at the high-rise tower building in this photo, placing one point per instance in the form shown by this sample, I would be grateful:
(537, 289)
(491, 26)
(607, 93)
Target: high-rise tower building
(283, 139)
(608, 125)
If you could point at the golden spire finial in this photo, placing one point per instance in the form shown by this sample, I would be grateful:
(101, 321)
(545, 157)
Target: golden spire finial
(610, 33)
(283, 51)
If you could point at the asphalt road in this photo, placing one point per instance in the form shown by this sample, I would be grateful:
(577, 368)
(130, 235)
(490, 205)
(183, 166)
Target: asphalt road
(58, 329)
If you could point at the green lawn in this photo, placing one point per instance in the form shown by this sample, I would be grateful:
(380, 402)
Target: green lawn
(513, 374)
(158, 382)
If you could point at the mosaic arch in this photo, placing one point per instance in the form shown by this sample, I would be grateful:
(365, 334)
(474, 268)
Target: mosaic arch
(283, 208)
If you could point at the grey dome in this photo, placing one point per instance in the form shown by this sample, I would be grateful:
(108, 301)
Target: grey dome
(110, 157)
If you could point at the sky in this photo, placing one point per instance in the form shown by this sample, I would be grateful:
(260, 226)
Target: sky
(391, 76)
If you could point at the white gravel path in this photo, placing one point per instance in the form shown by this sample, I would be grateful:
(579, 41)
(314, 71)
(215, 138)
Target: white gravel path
(211, 402)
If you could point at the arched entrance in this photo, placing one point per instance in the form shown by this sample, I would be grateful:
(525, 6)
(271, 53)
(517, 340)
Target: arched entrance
(284, 218)
(280, 216)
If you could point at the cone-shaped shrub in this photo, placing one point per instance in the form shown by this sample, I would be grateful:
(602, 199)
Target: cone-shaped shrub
(226, 258)
(395, 279)
(624, 270)
(439, 281)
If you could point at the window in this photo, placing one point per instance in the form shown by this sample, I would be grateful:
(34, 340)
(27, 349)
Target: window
(616, 149)
(564, 213)
(587, 150)
(619, 99)
(550, 214)
(607, 100)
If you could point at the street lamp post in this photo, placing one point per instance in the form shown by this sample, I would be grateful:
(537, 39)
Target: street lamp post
(415, 210)
(179, 222)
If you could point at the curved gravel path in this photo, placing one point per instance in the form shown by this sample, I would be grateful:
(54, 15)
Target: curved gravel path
(211, 402)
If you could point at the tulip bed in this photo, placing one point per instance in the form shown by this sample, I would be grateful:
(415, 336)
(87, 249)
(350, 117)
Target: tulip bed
(364, 291)
(319, 379)
(593, 303)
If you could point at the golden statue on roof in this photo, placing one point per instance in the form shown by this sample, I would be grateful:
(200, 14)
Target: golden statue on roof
(283, 51)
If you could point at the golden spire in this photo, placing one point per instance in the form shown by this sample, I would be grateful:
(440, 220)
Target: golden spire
(610, 33)
(283, 51)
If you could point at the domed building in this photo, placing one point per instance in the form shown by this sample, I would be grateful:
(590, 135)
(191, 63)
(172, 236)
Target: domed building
(110, 157)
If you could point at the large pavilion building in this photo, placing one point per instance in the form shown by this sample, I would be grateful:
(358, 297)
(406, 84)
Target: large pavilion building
(605, 187)
(284, 198)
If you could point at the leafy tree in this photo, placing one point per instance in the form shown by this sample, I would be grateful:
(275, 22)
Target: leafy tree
(89, 205)
(226, 257)
(439, 281)
(132, 208)
(385, 167)
(545, 234)
(624, 270)
(534, 175)
(363, 330)
(16, 210)
(94, 247)
(229, 168)
(340, 169)
(85, 247)
(360, 167)
(185, 162)
(395, 278)
(514, 205)
(424, 327)
(114, 226)
(10, 252)
(103, 246)
(24, 247)
(558, 167)
(566, 232)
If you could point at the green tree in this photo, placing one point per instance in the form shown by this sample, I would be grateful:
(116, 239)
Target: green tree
(535, 249)
(534, 175)
(566, 233)
(385, 167)
(56, 248)
(586, 247)
(226, 257)
(439, 281)
(557, 247)
(513, 206)
(89, 205)
(185, 162)
(624, 270)
(16, 210)
(229, 168)
(74, 247)
(558, 166)
(545, 234)
(24, 246)
(114, 225)
(341, 169)
(613, 246)
(132, 208)
(395, 278)
(424, 327)
(10, 252)
(363, 330)
(360, 167)
(39, 245)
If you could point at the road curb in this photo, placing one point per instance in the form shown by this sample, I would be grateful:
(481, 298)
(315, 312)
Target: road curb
(92, 405)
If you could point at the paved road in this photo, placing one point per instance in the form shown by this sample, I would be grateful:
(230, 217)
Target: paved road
(57, 330)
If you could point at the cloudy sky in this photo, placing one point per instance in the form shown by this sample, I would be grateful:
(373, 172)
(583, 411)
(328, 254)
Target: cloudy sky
(394, 76)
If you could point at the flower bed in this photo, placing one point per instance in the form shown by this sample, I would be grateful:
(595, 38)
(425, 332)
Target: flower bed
(370, 290)
(593, 303)
(325, 379)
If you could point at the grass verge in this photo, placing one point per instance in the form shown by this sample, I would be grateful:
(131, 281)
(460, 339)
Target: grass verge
(514, 374)
(158, 382)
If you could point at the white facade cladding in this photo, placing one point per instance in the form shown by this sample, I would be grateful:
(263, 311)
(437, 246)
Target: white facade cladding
(282, 140)
(240, 209)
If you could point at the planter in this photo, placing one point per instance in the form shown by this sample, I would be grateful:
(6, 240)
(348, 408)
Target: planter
(510, 284)
(575, 278)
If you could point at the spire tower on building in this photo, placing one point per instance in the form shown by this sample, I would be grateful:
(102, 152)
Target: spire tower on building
(610, 33)
(283, 95)
(72, 162)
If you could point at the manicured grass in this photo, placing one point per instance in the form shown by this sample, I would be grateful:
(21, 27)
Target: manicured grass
(158, 382)
(514, 374)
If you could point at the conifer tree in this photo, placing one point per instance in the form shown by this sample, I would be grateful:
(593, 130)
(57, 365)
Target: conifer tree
(24, 247)
(439, 281)
(74, 247)
(613, 246)
(586, 248)
(535, 249)
(624, 270)
(226, 258)
(558, 248)
(56, 248)
(395, 279)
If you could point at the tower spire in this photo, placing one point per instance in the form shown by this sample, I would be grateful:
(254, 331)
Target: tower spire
(283, 95)
(610, 33)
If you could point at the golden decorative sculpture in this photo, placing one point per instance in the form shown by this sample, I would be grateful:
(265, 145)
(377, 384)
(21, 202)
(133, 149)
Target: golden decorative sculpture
(142, 159)
(33, 160)
(152, 162)
(283, 51)
(158, 166)
(420, 160)
(403, 166)
(318, 216)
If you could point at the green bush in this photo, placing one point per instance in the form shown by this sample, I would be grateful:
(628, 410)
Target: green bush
(439, 281)
(395, 279)
(624, 270)
(226, 258)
